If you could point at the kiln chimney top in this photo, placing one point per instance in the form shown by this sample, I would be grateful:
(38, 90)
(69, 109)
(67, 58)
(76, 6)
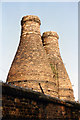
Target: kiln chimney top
(30, 18)
(50, 33)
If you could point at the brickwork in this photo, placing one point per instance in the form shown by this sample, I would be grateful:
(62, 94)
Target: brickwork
(30, 67)
(50, 42)
(25, 104)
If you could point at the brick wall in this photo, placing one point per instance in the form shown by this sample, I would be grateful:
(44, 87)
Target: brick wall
(25, 104)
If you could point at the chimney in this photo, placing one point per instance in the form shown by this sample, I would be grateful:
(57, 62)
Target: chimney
(50, 43)
(30, 67)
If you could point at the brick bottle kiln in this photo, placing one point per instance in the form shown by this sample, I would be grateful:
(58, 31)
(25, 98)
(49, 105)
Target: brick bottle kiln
(50, 42)
(30, 67)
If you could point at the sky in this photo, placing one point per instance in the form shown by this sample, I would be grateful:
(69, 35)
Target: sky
(61, 17)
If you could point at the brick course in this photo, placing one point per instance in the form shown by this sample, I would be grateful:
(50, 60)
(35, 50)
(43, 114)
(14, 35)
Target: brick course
(31, 63)
(50, 42)
(25, 104)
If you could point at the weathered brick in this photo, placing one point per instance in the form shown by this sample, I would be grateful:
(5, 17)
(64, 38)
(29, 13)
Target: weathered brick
(30, 63)
(31, 107)
(50, 42)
